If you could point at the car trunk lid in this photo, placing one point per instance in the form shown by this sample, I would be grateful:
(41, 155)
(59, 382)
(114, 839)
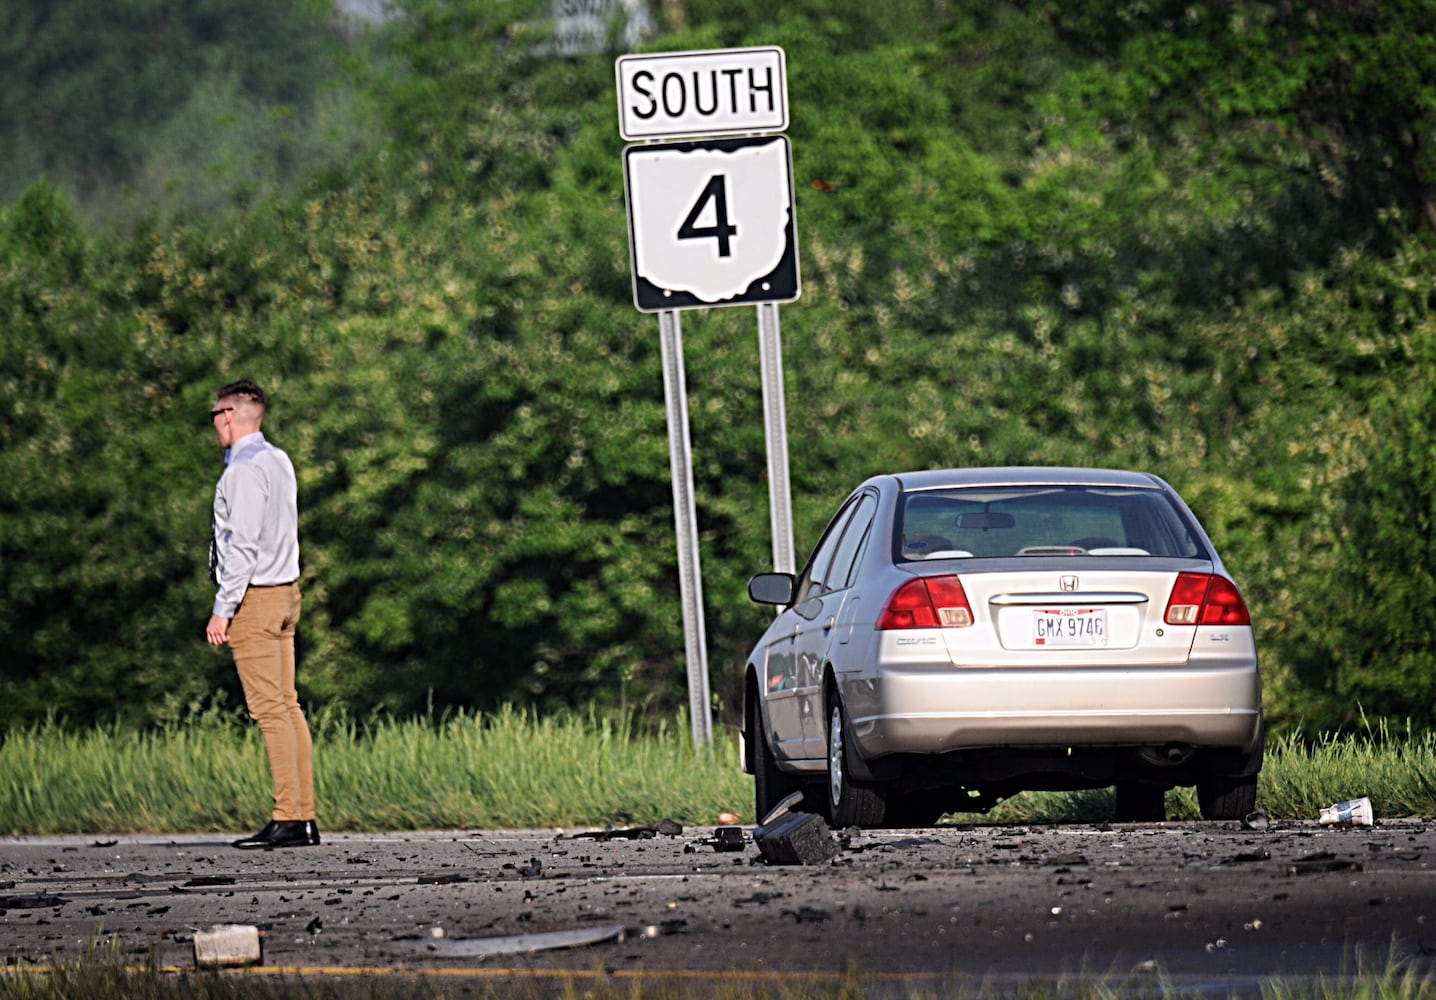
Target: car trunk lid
(1083, 611)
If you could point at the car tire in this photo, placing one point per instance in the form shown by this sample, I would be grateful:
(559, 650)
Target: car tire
(770, 785)
(1222, 797)
(850, 802)
(1137, 802)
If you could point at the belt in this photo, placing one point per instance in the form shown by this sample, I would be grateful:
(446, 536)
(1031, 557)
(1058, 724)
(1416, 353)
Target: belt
(271, 586)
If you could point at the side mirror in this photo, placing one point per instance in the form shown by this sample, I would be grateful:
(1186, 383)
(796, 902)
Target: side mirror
(772, 588)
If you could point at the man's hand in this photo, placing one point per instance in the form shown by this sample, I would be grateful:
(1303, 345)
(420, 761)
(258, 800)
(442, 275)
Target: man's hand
(217, 631)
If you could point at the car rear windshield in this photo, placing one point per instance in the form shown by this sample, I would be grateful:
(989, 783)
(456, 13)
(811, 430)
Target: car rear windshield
(1042, 521)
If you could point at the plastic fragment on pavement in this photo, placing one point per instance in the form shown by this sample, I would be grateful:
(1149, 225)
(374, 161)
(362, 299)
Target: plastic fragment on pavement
(1257, 820)
(516, 944)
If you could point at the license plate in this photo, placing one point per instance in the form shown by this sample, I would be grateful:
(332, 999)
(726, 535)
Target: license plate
(1070, 627)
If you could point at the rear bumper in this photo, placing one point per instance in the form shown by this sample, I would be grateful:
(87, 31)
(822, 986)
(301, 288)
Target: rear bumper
(938, 709)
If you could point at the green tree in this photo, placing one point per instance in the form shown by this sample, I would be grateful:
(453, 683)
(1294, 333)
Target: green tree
(90, 92)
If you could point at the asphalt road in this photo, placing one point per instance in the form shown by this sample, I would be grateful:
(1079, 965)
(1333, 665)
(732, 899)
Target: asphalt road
(1188, 904)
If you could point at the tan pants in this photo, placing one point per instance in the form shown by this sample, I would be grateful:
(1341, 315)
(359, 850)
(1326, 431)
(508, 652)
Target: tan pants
(261, 637)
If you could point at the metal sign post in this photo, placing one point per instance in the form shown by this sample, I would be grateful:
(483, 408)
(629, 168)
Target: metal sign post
(711, 222)
(775, 425)
(685, 517)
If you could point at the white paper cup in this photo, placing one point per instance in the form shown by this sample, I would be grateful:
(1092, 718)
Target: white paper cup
(1355, 812)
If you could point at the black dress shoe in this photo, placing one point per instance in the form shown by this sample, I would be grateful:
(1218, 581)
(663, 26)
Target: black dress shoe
(279, 833)
(311, 833)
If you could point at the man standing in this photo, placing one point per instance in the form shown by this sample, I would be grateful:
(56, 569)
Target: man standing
(255, 561)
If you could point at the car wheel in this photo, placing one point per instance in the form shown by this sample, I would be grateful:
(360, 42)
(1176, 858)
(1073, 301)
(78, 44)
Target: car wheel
(1221, 797)
(1140, 803)
(770, 785)
(850, 802)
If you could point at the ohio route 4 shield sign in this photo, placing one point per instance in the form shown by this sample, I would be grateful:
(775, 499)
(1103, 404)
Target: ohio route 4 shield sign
(711, 223)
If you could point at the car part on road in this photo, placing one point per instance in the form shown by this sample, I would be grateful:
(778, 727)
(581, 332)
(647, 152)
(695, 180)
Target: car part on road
(790, 837)
(724, 839)
(516, 944)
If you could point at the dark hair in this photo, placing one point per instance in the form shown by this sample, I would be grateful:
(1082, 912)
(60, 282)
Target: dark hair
(244, 387)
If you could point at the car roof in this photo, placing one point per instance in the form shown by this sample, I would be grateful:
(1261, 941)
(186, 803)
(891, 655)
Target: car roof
(1025, 475)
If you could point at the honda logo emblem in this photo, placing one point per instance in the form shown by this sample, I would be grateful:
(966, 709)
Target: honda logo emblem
(1069, 583)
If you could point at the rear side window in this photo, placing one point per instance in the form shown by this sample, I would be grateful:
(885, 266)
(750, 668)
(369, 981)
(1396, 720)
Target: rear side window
(855, 537)
(1045, 520)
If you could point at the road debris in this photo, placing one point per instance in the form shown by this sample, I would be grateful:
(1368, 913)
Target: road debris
(725, 838)
(1321, 862)
(1356, 812)
(227, 946)
(619, 833)
(1257, 820)
(515, 944)
(787, 837)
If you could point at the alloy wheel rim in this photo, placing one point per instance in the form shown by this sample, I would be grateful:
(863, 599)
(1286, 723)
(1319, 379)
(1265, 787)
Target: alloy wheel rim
(835, 757)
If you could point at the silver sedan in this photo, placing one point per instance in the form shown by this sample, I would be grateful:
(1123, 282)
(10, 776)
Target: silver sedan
(959, 636)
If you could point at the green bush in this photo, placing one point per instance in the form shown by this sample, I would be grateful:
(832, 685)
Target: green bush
(1090, 236)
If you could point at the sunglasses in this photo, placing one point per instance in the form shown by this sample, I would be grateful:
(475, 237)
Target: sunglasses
(215, 413)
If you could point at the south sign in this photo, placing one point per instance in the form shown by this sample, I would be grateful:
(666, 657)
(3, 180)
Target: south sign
(712, 92)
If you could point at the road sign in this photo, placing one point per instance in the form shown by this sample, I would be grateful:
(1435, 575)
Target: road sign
(712, 223)
(706, 92)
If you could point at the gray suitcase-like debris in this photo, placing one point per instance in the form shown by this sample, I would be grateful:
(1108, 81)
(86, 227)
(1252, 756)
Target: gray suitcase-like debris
(786, 837)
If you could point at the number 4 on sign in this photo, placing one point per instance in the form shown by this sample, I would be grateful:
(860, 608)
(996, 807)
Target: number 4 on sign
(715, 191)
(711, 223)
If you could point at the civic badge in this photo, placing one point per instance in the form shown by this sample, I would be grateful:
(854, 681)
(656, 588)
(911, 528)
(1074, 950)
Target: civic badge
(1069, 583)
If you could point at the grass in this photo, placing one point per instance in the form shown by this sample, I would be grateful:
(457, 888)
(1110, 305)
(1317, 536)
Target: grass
(514, 769)
(103, 975)
(508, 769)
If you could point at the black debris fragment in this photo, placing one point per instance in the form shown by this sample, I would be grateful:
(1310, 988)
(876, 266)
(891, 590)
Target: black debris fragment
(32, 902)
(619, 833)
(1321, 862)
(725, 838)
(1261, 854)
(664, 928)
(795, 838)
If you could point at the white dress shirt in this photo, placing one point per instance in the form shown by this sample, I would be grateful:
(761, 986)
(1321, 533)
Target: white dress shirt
(256, 522)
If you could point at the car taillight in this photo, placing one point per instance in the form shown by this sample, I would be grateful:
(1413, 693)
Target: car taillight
(927, 602)
(1206, 599)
